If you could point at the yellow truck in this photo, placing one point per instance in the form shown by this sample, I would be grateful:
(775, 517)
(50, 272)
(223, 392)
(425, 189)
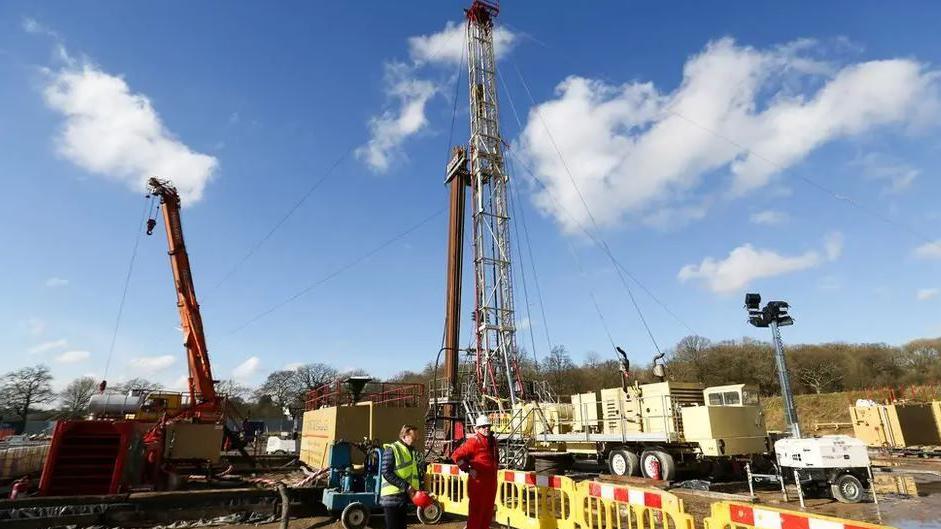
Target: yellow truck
(647, 429)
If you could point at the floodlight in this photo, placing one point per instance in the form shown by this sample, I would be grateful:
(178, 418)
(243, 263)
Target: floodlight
(752, 300)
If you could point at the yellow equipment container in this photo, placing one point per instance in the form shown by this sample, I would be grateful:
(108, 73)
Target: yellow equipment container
(725, 430)
(621, 414)
(586, 412)
(896, 425)
(355, 423)
(195, 441)
(659, 403)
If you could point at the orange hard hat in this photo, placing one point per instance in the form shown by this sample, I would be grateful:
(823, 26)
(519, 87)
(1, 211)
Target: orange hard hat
(422, 499)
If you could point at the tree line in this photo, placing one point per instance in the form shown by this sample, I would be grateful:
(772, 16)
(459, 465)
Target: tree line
(817, 368)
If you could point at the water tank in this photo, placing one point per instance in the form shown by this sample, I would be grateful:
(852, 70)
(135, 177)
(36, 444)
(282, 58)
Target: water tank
(116, 403)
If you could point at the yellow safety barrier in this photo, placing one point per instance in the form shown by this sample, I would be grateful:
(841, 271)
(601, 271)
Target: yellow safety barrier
(526, 500)
(530, 501)
(732, 515)
(448, 484)
(614, 506)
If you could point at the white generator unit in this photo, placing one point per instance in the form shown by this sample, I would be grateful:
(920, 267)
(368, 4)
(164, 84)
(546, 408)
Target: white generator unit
(838, 461)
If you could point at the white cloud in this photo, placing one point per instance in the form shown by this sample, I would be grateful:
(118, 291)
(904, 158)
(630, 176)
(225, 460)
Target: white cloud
(634, 149)
(929, 250)
(247, 368)
(33, 26)
(48, 346)
(54, 282)
(72, 357)
(448, 45)
(898, 175)
(409, 90)
(392, 127)
(117, 134)
(153, 363)
(293, 366)
(924, 294)
(833, 245)
(745, 264)
(768, 217)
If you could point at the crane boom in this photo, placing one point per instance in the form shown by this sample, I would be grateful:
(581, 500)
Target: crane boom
(201, 385)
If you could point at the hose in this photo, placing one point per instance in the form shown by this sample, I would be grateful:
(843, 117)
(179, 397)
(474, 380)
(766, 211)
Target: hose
(285, 505)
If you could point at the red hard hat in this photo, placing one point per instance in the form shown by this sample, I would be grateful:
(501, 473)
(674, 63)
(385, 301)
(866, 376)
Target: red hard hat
(422, 499)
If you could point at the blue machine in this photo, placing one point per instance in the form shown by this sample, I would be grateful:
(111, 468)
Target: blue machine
(353, 493)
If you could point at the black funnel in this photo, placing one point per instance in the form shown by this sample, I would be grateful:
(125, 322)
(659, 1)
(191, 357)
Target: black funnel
(356, 384)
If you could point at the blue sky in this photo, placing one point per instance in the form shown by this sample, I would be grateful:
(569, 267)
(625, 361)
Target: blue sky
(696, 134)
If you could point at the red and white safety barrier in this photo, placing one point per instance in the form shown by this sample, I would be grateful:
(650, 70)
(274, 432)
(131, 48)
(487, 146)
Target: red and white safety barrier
(447, 470)
(769, 519)
(625, 495)
(530, 478)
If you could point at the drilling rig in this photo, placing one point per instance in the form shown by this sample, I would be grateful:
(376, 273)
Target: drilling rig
(491, 373)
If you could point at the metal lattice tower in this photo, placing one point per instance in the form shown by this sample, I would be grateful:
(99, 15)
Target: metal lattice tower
(497, 370)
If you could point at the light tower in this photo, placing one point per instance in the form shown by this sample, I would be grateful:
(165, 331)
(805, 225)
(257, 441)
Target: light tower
(775, 315)
(497, 370)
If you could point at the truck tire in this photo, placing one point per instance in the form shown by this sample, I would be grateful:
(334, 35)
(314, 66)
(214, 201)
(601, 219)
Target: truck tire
(657, 464)
(847, 489)
(623, 463)
(354, 516)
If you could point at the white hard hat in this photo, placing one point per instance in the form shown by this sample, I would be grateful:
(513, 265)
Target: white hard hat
(483, 420)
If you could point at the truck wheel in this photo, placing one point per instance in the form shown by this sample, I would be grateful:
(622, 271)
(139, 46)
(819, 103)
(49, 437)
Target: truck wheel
(657, 464)
(623, 463)
(354, 516)
(847, 489)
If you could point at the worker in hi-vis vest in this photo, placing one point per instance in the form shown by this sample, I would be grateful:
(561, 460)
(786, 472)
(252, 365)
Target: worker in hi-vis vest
(400, 477)
(478, 457)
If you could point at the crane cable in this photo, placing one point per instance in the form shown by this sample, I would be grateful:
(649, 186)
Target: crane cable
(338, 271)
(149, 202)
(532, 264)
(277, 225)
(591, 292)
(584, 202)
(522, 271)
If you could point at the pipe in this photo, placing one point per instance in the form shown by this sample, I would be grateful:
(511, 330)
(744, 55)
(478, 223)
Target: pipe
(285, 505)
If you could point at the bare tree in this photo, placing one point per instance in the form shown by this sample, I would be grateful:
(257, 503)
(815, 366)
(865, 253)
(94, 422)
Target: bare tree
(24, 388)
(232, 389)
(138, 384)
(820, 376)
(76, 397)
(282, 387)
(310, 376)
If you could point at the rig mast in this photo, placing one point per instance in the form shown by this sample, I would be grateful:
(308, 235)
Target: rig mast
(496, 365)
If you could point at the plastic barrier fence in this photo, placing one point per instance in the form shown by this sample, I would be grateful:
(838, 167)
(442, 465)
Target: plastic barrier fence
(529, 501)
(526, 500)
(449, 486)
(732, 515)
(612, 506)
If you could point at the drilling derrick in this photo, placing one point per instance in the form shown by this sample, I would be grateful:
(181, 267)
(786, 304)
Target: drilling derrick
(496, 367)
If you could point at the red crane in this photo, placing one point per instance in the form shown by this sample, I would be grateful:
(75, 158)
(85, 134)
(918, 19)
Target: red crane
(205, 404)
(126, 446)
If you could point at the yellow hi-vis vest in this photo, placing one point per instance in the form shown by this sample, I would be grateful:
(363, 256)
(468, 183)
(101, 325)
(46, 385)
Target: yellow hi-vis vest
(405, 467)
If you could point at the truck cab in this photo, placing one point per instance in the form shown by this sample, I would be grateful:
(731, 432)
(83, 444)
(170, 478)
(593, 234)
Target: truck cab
(730, 395)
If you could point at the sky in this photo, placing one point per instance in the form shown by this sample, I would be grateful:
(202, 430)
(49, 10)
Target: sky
(707, 148)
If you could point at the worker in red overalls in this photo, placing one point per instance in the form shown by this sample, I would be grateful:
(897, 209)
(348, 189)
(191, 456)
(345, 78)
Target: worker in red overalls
(478, 457)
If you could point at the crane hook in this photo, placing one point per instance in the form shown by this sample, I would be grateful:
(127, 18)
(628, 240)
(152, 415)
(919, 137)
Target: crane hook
(151, 224)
